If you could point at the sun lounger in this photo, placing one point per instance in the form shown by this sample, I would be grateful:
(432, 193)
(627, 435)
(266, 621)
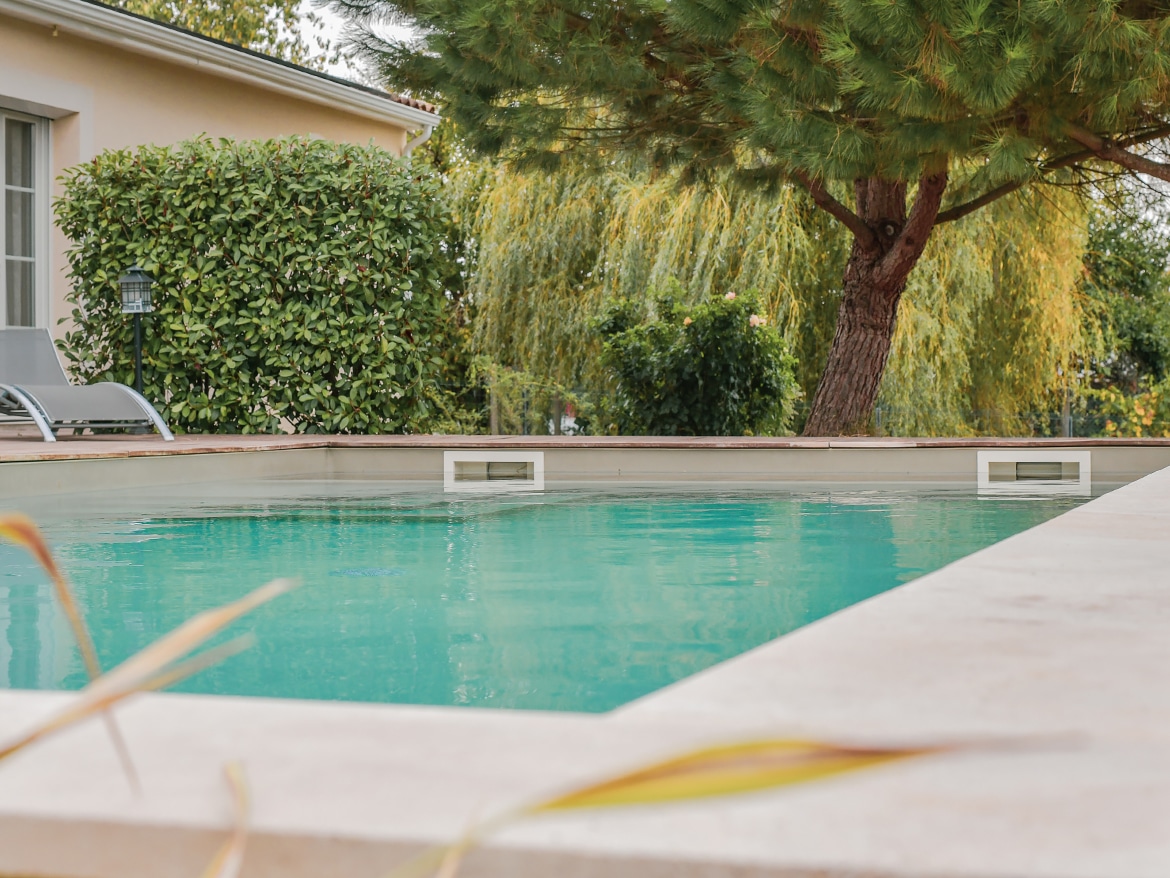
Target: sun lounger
(33, 386)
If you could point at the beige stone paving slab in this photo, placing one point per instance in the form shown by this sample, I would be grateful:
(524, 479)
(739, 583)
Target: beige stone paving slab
(978, 659)
(384, 779)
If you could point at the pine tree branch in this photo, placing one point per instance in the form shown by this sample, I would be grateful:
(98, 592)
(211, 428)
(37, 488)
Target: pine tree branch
(911, 241)
(826, 202)
(959, 211)
(1116, 152)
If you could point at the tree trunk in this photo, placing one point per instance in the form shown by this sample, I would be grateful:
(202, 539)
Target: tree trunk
(558, 414)
(886, 246)
(857, 359)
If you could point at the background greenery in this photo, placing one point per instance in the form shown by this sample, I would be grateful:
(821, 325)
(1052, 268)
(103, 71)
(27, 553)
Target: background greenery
(896, 118)
(1052, 297)
(716, 368)
(991, 320)
(283, 294)
(298, 284)
(274, 27)
(1127, 286)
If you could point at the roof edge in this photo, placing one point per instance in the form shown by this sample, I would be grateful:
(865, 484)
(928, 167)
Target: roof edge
(144, 36)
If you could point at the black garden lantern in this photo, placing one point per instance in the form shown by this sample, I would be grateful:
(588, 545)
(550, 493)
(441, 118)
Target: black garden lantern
(135, 285)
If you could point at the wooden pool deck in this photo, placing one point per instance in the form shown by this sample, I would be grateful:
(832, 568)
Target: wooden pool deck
(26, 444)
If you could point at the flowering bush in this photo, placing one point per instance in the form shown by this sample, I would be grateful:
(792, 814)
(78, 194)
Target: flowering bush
(713, 369)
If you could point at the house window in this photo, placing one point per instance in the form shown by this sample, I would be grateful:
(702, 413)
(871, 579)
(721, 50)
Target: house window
(23, 220)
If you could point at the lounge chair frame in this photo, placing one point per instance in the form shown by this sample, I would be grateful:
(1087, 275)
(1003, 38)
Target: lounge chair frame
(18, 401)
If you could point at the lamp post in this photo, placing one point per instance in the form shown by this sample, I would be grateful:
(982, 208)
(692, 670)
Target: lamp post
(135, 285)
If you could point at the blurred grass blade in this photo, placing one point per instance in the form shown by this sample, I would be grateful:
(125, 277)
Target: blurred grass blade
(714, 771)
(721, 771)
(443, 861)
(155, 666)
(23, 531)
(154, 659)
(425, 864)
(230, 857)
(453, 857)
(180, 671)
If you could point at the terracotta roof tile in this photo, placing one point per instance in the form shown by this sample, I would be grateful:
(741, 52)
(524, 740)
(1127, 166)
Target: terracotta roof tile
(413, 102)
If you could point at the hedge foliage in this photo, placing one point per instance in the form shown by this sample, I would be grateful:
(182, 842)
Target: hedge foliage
(712, 369)
(298, 283)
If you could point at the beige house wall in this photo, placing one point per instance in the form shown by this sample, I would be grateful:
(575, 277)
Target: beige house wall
(98, 97)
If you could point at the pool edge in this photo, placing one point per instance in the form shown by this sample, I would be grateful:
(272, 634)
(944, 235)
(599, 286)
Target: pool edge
(1045, 651)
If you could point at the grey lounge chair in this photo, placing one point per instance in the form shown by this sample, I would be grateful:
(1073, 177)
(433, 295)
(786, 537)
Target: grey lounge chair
(33, 386)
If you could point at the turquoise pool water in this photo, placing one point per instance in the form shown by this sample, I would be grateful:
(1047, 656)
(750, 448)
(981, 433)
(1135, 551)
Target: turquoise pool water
(568, 600)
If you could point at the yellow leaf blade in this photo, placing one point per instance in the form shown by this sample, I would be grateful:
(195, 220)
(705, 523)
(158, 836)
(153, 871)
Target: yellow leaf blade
(155, 666)
(726, 770)
(89, 703)
(425, 864)
(150, 661)
(444, 861)
(23, 531)
(714, 771)
(230, 857)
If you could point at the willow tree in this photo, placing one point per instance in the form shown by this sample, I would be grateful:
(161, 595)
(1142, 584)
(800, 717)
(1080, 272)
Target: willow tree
(923, 111)
(553, 248)
(992, 315)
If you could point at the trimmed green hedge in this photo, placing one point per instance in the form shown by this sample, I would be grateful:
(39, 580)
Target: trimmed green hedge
(297, 281)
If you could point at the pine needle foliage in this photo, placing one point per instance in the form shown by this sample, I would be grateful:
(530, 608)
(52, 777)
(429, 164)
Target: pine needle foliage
(837, 90)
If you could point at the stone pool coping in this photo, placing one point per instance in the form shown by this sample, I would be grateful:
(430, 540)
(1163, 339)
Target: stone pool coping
(31, 467)
(1048, 651)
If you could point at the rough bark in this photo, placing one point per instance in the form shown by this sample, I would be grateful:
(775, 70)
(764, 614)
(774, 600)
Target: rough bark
(875, 276)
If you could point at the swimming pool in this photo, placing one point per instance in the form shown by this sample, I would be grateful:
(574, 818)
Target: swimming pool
(576, 599)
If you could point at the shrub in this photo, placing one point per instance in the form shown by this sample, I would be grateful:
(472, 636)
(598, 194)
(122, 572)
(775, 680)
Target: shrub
(1143, 414)
(297, 283)
(713, 369)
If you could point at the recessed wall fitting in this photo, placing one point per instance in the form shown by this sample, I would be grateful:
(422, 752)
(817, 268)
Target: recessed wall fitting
(491, 471)
(1035, 471)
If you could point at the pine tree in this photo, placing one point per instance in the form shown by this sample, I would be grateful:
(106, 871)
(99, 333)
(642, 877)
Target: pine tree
(923, 110)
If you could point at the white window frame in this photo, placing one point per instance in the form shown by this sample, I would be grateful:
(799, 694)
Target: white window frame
(42, 218)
